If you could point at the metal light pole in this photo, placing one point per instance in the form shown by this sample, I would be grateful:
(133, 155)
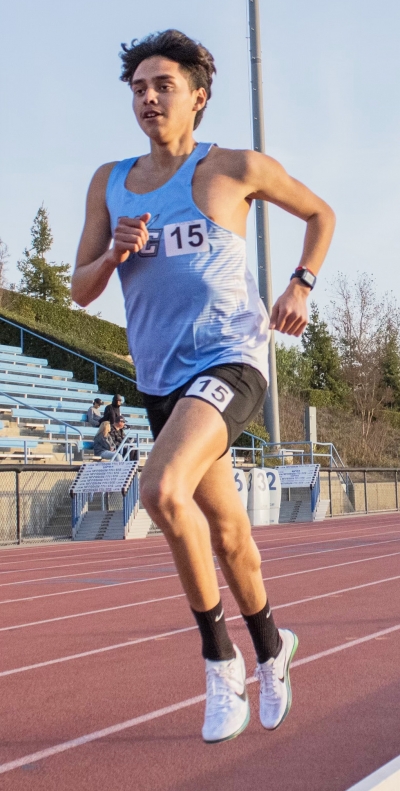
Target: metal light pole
(271, 404)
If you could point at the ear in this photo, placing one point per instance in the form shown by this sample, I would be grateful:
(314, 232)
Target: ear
(200, 99)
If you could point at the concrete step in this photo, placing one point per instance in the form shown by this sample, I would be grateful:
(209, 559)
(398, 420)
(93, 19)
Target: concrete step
(320, 511)
(141, 525)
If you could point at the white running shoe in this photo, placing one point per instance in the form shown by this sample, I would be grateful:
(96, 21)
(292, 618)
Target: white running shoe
(227, 706)
(275, 689)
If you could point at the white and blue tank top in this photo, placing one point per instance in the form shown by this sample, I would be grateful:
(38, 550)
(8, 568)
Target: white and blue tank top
(191, 301)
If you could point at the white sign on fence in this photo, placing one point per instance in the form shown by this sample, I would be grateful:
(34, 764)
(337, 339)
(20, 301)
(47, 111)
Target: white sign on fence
(241, 486)
(298, 475)
(258, 497)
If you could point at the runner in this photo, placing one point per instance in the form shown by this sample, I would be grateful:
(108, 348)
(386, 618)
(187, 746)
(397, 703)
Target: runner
(198, 334)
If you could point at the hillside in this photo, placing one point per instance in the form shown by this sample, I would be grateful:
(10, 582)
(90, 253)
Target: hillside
(90, 336)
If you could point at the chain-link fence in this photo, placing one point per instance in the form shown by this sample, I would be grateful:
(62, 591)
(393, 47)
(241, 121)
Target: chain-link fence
(35, 504)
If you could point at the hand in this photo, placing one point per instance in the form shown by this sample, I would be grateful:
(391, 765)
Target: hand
(130, 236)
(289, 314)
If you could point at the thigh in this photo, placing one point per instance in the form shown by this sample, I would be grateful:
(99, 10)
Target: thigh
(194, 436)
(236, 390)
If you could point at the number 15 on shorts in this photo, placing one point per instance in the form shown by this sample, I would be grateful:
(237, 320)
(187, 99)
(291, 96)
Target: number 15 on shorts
(210, 389)
(182, 238)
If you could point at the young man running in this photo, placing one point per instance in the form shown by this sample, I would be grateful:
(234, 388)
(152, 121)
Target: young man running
(198, 334)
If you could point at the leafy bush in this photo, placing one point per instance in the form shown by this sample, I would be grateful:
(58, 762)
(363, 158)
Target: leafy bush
(84, 334)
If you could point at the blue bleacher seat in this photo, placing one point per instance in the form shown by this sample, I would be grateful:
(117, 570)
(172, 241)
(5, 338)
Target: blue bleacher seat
(17, 442)
(35, 370)
(88, 432)
(48, 382)
(67, 416)
(10, 349)
(22, 359)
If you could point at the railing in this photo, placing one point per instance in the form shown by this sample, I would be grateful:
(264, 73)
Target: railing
(95, 364)
(373, 490)
(51, 417)
(298, 452)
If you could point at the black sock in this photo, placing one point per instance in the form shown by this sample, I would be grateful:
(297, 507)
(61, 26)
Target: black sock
(217, 644)
(264, 634)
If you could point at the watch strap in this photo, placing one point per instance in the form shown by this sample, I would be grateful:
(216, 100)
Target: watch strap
(306, 276)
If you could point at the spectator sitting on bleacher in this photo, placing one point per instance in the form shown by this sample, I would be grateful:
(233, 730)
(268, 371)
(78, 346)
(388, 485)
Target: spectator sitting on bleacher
(117, 432)
(93, 413)
(103, 445)
(112, 411)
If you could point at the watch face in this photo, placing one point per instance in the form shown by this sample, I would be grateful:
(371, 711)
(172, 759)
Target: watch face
(308, 277)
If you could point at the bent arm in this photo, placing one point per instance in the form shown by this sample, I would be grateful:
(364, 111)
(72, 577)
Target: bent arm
(270, 182)
(96, 260)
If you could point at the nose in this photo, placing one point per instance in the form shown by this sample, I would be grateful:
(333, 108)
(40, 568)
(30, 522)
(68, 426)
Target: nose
(150, 96)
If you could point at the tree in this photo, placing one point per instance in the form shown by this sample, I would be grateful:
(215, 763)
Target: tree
(4, 256)
(362, 323)
(321, 352)
(41, 279)
(391, 371)
(293, 371)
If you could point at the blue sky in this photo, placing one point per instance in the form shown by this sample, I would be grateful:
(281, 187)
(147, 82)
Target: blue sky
(332, 115)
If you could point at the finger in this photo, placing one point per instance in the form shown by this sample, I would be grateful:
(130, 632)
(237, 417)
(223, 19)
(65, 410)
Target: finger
(289, 323)
(297, 328)
(145, 217)
(132, 222)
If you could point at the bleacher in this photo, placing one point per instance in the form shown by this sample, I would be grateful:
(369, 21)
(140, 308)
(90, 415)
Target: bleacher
(41, 409)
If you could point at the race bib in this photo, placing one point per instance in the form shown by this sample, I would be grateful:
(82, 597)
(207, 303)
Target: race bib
(213, 390)
(182, 238)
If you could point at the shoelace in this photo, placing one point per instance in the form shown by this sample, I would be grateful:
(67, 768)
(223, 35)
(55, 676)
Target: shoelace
(219, 687)
(267, 676)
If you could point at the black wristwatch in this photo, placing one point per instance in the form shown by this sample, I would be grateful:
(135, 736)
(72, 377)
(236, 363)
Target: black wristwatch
(306, 276)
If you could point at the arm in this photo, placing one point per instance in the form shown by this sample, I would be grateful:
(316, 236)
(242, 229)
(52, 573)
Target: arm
(271, 183)
(96, 261)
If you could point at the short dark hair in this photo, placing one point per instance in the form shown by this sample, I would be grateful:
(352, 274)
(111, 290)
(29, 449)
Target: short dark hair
(192, 57)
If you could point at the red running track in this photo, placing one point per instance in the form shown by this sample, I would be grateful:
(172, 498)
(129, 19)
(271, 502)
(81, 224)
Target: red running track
(102, 684)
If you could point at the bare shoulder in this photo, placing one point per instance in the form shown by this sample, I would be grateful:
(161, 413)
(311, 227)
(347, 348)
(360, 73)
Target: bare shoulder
(229, 162)
(240, 164)
(100, 177)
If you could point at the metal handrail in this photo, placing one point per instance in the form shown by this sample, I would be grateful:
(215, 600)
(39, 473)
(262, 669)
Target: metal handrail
(65, 349)
(50, 417)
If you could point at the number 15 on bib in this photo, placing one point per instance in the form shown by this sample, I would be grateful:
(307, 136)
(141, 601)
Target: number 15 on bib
(183, 238)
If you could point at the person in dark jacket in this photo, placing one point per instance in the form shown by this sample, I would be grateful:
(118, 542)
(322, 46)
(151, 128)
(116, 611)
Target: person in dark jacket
(112, 411)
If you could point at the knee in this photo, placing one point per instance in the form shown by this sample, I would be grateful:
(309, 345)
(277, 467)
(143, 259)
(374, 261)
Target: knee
(227, 541)
(161, 497)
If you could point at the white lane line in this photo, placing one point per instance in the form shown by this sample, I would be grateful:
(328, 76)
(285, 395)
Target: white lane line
(107, 560)
(173, 632)
(181, 595)
(386, 778)
(158, 554)
(76, 553)
(97, 552)
(123, 554)
(62, 747)
(169, 576)
(155, 565)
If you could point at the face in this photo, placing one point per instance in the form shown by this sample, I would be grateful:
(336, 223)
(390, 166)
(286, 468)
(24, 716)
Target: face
(163, 101)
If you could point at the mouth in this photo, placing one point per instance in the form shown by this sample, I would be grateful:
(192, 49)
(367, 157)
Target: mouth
(150, 114)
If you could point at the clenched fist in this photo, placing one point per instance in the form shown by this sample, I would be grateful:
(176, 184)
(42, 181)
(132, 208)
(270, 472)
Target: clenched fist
(130, 236)
(289, 314)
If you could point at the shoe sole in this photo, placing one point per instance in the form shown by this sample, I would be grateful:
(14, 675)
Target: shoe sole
(287, 683)
(232, 735)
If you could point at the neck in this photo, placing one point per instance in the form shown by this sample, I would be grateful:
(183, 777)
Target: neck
(171, 153)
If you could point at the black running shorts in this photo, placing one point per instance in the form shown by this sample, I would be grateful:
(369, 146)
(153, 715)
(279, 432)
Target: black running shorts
(236, 390)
